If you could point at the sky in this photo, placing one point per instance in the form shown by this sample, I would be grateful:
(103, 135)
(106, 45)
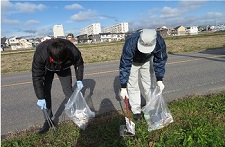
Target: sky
(37, 18)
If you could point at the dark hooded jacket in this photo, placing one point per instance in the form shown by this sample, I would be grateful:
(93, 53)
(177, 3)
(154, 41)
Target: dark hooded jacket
(42, 63)
(131, 54)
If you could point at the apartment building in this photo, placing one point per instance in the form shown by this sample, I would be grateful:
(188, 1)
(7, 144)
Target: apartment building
(58, 31)
(92, 29)
(94, 33)
(117, 28)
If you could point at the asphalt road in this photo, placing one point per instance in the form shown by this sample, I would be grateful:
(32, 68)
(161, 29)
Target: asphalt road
(192, 73)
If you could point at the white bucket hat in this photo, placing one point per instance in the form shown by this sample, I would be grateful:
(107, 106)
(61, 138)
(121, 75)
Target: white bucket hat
(147, 41)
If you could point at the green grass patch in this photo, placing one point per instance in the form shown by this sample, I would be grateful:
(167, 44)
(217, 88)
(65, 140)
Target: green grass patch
(198, 121)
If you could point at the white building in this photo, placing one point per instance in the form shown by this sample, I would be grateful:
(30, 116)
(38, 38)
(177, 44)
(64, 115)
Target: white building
(58, 31)
(92, 29)
(118, 28)
(192, 30)
(19, 43)
(108, 37)
(45, 38)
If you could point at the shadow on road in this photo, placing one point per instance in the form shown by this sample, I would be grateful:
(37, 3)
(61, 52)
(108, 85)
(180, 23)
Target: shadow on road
(215, 51)
(89, 86)
(220, 52)
(116, 86)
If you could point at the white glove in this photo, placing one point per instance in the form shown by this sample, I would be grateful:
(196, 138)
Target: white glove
(80, 85)
(41, 104)
(161, 85)
(123, 93)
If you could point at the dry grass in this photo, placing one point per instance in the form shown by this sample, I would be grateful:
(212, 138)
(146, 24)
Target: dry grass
(16, 62)
(101, 53)
(195, 43)
(21, 60)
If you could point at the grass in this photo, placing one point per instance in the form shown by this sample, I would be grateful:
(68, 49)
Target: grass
(198, 121)
(20, 60)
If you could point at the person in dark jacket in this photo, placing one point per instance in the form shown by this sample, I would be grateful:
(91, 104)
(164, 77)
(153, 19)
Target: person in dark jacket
(71, 38)
(143, 52)
(55, 56)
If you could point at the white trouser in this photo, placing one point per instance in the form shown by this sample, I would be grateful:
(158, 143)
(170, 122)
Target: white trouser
(142, 71)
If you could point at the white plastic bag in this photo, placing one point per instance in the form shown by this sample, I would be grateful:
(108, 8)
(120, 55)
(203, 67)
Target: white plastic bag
(78, 111)
(156, 112)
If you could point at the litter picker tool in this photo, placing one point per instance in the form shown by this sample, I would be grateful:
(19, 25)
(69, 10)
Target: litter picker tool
(129, 128)
(50, 123)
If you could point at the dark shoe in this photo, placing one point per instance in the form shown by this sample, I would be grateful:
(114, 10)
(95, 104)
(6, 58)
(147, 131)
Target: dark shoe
(45, 128)
(137, 116)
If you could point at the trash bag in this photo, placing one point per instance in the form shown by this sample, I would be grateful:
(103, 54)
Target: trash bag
(156, 112)
(78, 111)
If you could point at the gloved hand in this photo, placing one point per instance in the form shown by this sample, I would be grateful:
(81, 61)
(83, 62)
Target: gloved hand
(41, 104)
(123, 93)
(161, 85)
(80, 85)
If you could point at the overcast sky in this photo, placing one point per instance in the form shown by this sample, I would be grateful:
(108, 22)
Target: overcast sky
(36, 18)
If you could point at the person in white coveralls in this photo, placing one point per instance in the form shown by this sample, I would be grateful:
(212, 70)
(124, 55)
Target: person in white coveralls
(141, 50)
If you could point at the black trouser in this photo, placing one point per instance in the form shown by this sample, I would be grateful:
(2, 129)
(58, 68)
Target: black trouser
(65, 78)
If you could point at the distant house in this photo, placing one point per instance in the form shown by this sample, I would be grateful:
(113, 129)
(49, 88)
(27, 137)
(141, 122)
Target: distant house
(45, 38)
(19, 43)
(163, 31)
(180, 30)
(118, 36)
(109, 37)
(83, 38)
(94, 37)
(192, 30)
(105, 37)
(35, 43)
(24, 43)
(202, 28)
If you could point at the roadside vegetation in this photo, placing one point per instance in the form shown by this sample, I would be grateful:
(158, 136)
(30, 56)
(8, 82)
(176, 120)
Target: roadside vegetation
(20, 60)
(198, 122)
